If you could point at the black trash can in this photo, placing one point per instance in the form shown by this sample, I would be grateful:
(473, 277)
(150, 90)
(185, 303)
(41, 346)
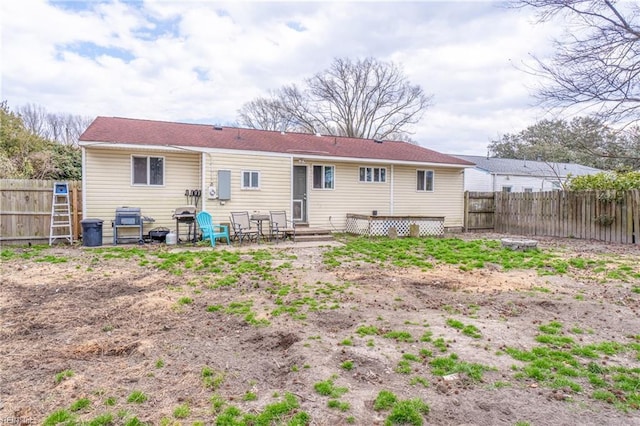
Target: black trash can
(91, 232)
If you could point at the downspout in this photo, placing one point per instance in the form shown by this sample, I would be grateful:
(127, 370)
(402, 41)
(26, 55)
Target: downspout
(204, 194)
(391, 193)
(291, 165)
(84, 182)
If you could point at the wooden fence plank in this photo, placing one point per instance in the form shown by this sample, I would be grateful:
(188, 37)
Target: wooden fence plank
(26, 209)
(593, 215)
(635, 195)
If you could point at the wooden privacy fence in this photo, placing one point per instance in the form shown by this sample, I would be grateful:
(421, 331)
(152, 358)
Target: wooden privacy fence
(612, 216)
(479, 208)
(25, 210)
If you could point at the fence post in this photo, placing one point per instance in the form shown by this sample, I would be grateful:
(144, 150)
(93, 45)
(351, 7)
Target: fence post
(466, 211)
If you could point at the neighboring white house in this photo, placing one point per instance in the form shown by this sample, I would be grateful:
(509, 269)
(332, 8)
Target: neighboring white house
(504, 174)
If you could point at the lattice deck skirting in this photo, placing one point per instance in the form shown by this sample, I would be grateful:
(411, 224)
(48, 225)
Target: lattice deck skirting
(380, 225)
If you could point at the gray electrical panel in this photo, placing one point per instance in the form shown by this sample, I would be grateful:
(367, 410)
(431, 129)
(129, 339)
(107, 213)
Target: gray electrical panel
(224, 185)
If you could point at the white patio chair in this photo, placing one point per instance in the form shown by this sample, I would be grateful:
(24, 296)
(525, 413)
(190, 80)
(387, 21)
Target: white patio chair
(280, 227)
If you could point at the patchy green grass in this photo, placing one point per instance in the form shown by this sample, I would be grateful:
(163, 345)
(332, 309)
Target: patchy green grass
(328, 388)
(468, 330)
(137, 397)
(80, 404)
(399, 336)
(347, 365)
(211, 378)
(562, 363)
(423, 253)
(557, 359)
(243, 309)
(60, 417)
(411, 411)
(63, 375)
(182, 411)
(284, 412)
(339, 405)
(249, 396)
(443, 366)
(367, 330)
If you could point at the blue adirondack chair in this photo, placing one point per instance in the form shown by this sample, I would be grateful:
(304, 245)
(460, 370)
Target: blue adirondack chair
(211, 230)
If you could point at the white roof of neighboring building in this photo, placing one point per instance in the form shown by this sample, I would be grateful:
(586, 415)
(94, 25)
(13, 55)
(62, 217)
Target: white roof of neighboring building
(509, 166)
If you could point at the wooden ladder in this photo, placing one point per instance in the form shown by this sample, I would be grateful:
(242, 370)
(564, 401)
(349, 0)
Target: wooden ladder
(60, 227)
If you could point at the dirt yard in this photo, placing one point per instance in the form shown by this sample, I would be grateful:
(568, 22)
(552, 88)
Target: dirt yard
(162, 337)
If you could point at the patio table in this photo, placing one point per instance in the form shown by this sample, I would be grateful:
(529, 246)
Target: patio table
(259, 219)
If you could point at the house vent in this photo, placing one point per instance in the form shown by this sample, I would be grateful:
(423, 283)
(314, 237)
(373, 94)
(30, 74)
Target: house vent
(217, 128)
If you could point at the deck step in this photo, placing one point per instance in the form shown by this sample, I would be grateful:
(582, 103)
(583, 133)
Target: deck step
(305, 233)
(307, 238)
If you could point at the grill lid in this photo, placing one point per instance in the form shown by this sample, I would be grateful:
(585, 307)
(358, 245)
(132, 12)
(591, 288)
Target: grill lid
(184, 211)
(127, 210)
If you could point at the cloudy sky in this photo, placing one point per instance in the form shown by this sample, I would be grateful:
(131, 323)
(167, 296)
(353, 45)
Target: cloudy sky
(200, 61)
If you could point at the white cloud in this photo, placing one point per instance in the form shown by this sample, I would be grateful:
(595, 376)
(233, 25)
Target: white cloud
(200, 61)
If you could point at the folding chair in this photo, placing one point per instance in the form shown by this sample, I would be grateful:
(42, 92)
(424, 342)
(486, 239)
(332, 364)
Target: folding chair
(280, 227)
(211, 230)
(241, 224)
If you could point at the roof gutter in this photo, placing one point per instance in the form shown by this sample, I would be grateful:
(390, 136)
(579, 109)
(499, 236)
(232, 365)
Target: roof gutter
(309, 157)
(113, 145)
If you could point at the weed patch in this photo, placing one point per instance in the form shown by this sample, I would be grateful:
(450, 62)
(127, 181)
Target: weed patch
(328, 388)
(63, 375)
(211, 379)
(468, 330)
(137, 397)
(562, 363)
(284, 412)
(399, 336)
(410, 411)
(423, 253)
(444, 366)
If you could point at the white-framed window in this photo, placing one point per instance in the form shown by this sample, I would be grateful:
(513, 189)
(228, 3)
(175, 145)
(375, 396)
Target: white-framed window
(528, 189)
(506, 189)
(323, 177)
(373, 174)
(250, 179)
(147, 170)
(424, 180)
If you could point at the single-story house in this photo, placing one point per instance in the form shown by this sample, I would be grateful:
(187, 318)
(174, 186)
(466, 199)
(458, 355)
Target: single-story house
(492, 174)
(316, 179)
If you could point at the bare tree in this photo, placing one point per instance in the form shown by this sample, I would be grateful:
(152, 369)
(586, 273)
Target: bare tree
(34, 118)
(366, 98)
(264, 113)
(60, 127)
(597, 62)
(67, 128)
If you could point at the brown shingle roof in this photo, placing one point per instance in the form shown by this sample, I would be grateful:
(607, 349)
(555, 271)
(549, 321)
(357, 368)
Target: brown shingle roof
(146, 132)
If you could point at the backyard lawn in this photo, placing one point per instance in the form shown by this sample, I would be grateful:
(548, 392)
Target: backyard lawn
(442, 331)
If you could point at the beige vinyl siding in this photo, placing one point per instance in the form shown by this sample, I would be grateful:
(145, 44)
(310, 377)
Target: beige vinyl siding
(107, 177)
(275, 184)
(352, 196)
(446, 199)
(348, 196)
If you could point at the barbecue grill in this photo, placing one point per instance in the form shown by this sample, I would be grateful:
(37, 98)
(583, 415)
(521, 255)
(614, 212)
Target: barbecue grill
(131, 218)
(186, 215)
